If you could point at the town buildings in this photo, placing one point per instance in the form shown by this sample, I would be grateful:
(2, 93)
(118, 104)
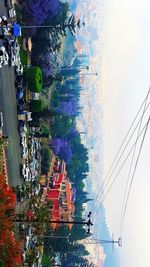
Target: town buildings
(59, 192)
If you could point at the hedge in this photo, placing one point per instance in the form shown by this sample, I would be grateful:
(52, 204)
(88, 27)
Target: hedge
(34, 79)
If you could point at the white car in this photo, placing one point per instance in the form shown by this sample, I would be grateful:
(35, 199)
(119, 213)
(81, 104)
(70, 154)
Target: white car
(24, 152)
(23, 134)
(16, 46)
(27, 242)
(16, 59)
(4, 58)
(23, 140)
(23, 130)
(26, 174)
(6, 30)
(12, 12)
(19, 69)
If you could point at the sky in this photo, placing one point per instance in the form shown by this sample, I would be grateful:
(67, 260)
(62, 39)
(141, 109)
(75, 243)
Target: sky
(125, 80)
(119, 51)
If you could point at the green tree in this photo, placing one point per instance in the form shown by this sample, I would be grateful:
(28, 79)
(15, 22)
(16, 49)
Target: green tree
(61, 126)
(36, 105)
(45, 159)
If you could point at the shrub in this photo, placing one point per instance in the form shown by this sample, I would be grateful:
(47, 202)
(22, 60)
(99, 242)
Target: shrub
(34, 79)
(36, 105)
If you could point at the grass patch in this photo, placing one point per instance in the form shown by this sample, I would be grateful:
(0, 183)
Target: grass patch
(23, 54)
(23, 57)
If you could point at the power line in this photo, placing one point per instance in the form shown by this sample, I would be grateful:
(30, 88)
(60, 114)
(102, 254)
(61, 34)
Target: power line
(109, 178)
(101, 188)
(131, 164)
(119, 171)
(130, 186)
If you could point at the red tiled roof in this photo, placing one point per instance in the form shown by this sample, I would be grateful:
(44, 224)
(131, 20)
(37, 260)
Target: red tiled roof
(56, 186)
(59, 179)
(56, 214)
(56, 204)
(53, 194)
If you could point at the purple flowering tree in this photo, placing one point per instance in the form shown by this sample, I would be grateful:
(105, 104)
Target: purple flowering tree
(46, 64)
(66, 153)
(57, 144)
(62, 149)
(40, 10)
(69, 108)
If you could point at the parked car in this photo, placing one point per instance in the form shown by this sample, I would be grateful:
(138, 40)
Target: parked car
(12, 12)
(22, 129)
(23, 140)
(19, 69)
(21, 107)
(21, 123)
(21, 101)
(19, 197)
(26, 173)
(15, 45)
(19, 81)
(1, 121)
(19, 94)
(8, 3)
(24, 152)
(4, 58)
(3, 21)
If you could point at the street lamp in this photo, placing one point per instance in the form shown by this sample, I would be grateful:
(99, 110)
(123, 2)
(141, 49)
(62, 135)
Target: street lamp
(73, 68)
(77, 76)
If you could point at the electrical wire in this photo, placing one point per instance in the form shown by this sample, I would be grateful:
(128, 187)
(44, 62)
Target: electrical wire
(131, 164)
(131, 183)
(116, 176)
(105, 184)
(101, 188)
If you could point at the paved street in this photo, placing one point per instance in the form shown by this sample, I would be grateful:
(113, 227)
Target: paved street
(9, 109)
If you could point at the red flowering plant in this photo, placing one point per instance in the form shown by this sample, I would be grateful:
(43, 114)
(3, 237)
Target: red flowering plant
(10, 248)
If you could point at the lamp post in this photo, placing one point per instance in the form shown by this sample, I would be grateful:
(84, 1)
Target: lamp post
(77, 76)
(89, 74)
(73, 68)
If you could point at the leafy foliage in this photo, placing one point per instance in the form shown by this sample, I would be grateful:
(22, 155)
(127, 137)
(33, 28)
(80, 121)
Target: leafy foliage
(61, 126)
(34, 79)
(10, 249)
(36, 105)
(39, 10)
(45, 162)
(69, 107)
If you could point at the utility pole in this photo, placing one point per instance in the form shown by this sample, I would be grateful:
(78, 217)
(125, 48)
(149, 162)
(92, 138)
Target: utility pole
(105, 241)
(88, 223)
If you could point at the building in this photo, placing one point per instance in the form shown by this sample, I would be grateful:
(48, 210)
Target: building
(60, 192)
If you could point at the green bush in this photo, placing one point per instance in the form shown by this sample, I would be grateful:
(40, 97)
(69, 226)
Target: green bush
(34, 79)
(36, 105)
(46, 154)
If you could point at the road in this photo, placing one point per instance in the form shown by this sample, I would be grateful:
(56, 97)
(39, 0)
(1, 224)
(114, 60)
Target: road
(9, 109)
